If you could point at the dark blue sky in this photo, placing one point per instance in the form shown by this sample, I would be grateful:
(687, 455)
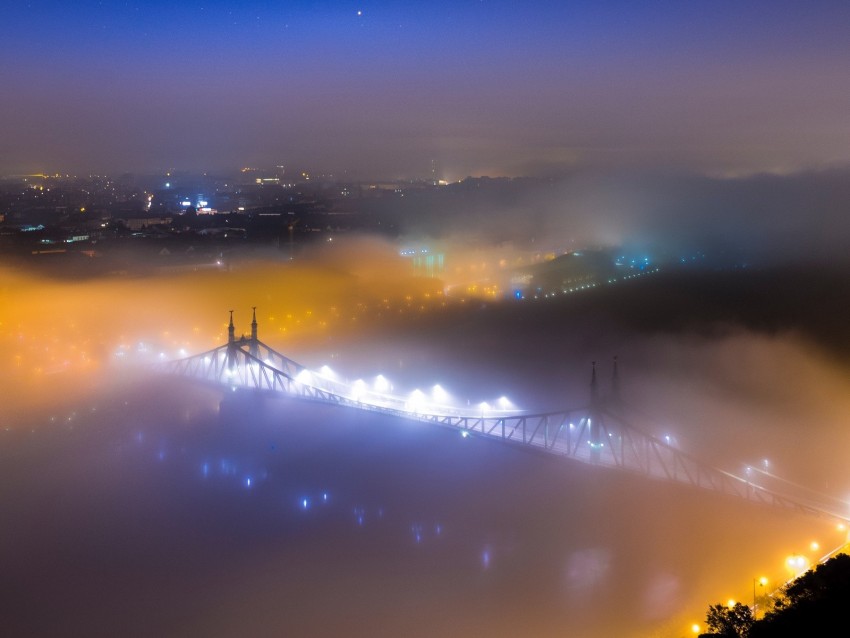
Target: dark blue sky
(384, 88)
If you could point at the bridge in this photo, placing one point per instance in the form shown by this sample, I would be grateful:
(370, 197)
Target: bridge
(598, 433)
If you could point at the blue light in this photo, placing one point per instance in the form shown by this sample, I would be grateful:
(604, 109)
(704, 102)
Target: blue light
(305, 503)
(325, 497)
(248, 481)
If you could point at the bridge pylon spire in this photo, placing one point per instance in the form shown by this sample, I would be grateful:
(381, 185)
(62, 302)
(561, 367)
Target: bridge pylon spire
(594, 418)
(254, 347)
(231, 343)
(594, 387)
(615, 382)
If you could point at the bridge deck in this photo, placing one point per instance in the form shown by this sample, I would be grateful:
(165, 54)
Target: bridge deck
(597, 433)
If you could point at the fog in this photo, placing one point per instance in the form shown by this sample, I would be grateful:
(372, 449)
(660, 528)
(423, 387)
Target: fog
(142, 505)
(755, 219)
(58, 332)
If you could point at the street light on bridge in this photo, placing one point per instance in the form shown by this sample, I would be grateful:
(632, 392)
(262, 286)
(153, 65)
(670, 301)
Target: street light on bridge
(414, 403)
(357, 389)
(439, 394)
(381, 383)
(485, 407)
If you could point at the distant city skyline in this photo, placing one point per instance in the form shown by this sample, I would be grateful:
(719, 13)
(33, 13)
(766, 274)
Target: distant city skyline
(388, 90)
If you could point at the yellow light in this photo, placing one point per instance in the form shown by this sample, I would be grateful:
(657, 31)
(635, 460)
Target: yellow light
(730, 603)
(796, 563)
(695, 628)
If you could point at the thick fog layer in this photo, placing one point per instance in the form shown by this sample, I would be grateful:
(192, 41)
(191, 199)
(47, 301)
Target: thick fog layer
(137, 499)
(751, 219)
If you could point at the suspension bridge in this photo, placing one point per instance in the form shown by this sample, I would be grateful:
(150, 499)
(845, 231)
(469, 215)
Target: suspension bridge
(598, 432)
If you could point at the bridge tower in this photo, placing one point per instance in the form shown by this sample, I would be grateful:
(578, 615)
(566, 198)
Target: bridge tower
(615, 383)
(231, 343)
(594, 417)
(594, 386)
(254, 346)
(614, 400)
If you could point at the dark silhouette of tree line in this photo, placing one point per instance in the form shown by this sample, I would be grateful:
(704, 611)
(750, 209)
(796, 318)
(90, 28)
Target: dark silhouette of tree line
(817, 603)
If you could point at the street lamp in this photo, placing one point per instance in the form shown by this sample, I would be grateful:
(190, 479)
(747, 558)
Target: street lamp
(762, 582)
(796, 564)
(484, 408)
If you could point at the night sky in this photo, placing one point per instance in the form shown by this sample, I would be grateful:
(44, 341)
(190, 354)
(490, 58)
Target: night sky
(383, 89)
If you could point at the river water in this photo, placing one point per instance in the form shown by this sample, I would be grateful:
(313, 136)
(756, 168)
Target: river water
(156, 510)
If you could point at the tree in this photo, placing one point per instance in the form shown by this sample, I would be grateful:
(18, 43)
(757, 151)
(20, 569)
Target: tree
(730, 622)
(812, 604)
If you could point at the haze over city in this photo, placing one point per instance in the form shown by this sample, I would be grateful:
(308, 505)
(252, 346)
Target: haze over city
(466, 211)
